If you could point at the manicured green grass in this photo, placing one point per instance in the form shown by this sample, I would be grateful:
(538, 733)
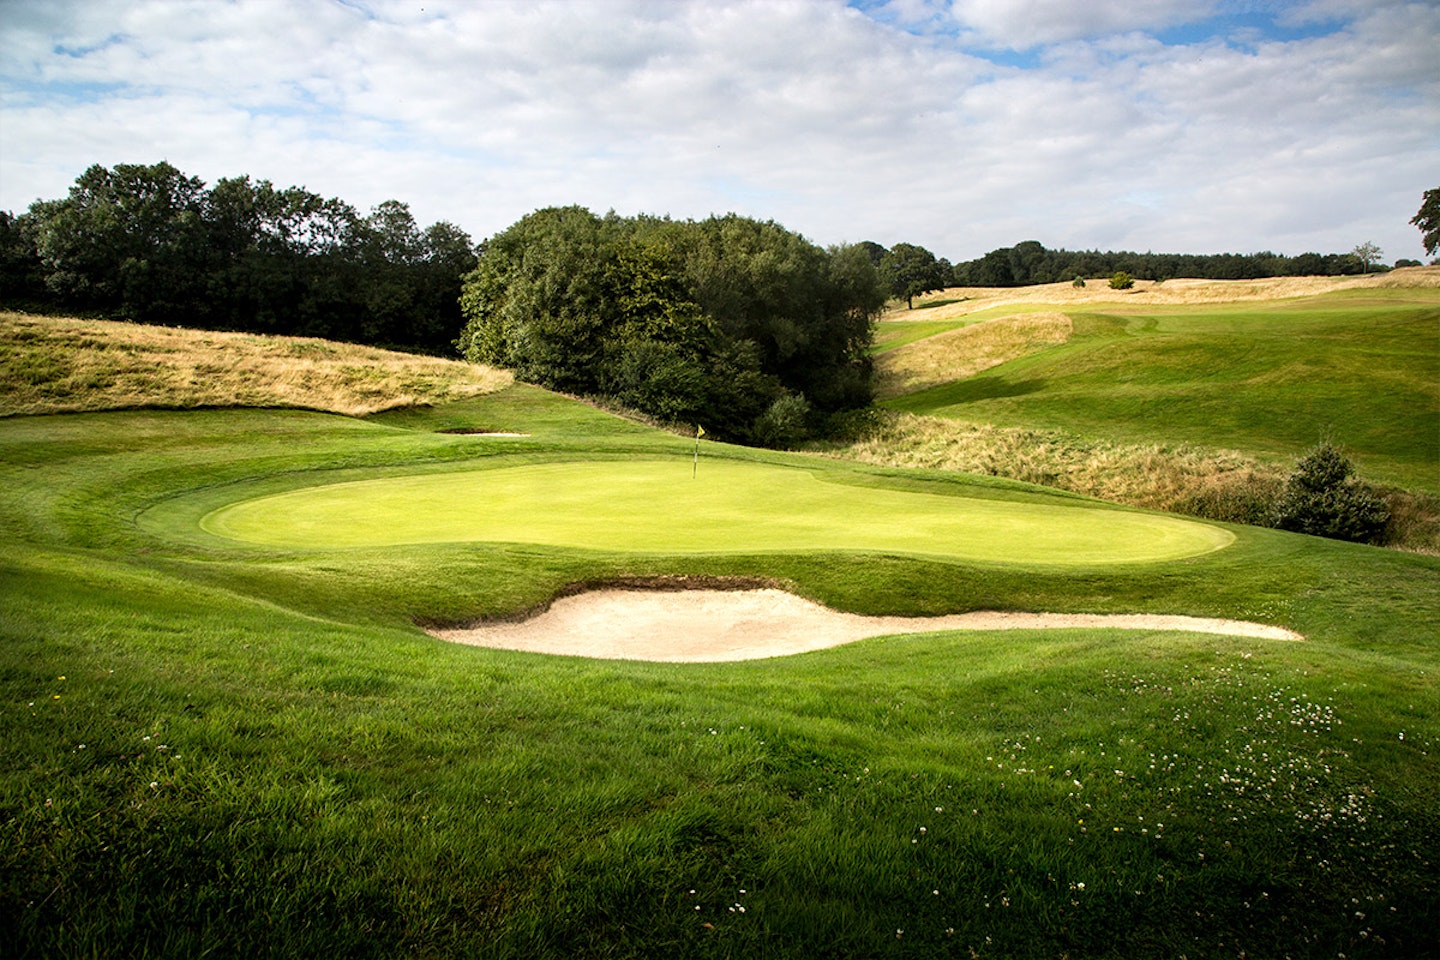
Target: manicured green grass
(669, 506)
(249, 749)
(1359, 367)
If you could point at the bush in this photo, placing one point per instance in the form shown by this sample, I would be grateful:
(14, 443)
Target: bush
(1079, 281)
(1322, 499)
(1121, 280)
(785, 424)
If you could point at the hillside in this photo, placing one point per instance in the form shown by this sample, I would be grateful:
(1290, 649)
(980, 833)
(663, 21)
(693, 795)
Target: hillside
(62, 365)
(1189, 395)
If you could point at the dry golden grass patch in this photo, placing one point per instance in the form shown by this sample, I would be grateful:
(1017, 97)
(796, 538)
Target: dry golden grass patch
(965, 352)
(963, 301)
(1214, 484)
(55, 365)
(1156, 476)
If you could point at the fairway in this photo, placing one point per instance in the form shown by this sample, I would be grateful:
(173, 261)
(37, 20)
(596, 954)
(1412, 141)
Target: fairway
(727, 507)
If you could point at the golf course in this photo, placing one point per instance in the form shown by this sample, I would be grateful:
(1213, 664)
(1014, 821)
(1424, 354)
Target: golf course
(235, 725)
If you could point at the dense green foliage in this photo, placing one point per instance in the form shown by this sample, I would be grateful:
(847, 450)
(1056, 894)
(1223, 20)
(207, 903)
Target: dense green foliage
(149, 243)
(1267, 378)
(909, 271)
(732, 323)
(1120, 280)
(1323, 498)
(215, 749)
(1428, 220)
(1030, 263)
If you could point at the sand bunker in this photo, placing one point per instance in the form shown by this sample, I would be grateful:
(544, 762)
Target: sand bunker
(696, 626)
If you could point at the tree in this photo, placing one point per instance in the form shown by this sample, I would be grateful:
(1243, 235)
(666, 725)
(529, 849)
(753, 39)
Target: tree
(150, 243)
(909, 271)
(873, 251)
(1428, 220)
(1367, 253)
(127, 241)
(1120, 280)
(711, 322)
(22, 274)
(1323, 499)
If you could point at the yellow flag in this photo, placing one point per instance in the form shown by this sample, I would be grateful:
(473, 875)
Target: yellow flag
(699, 431)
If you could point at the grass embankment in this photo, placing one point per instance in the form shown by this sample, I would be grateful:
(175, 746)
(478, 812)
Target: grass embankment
(62, 365)
(242, 749)
(1194, 404)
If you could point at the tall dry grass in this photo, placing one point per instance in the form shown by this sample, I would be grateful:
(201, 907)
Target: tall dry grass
(57, 365)
(1212, 484)
(965, 352)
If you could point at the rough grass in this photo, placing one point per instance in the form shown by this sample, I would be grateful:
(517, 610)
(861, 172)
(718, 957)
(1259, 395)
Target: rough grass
(1215, 484)
(967, 351)
(57, 365)
(1155, 476)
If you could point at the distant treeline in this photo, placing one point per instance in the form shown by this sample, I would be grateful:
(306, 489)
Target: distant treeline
(1030, 263)
(148, 243)
(738, 325)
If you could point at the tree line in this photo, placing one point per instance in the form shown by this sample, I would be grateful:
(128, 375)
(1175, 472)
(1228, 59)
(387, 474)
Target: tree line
(1031, 263)
(735, 324)
(909, 270)
(148, 243)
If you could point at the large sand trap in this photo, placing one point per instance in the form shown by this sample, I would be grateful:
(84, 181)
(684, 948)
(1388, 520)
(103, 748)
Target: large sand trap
(694, 626)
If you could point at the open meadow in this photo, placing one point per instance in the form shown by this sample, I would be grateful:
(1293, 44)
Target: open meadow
(228, 731)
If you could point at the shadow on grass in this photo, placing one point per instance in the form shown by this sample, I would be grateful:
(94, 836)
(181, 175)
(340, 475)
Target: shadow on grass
(965, 391)
(926, 304)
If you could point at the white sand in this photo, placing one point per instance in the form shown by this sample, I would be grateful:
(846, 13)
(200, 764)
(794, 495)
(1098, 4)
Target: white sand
(694, 626)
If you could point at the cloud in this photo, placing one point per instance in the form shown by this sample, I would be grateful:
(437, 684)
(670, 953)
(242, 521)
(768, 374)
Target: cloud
(843, 123)
(1025, 24)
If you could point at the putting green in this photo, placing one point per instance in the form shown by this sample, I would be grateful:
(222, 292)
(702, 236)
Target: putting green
(732, 507)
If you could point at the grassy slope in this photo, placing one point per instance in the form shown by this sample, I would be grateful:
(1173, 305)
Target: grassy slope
(59, 364)
(252, 751)
(1271, 378)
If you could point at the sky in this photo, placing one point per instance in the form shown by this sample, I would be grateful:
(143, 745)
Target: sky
(1179, 126)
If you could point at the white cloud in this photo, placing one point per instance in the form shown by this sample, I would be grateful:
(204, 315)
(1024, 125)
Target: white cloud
(828, 120)
(1025, 24)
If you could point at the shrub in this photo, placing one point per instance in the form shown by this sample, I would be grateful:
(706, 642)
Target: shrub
(785, 423)
(1323, 499)
(1079, 281)
(1121, 280)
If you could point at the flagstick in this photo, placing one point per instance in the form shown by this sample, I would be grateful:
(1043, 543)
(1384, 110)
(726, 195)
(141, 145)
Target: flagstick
(696, 465)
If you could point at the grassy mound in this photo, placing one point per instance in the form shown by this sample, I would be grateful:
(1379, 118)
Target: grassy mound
(55, 364)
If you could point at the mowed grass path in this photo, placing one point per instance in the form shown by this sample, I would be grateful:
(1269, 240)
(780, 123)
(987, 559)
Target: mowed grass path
(725, 506)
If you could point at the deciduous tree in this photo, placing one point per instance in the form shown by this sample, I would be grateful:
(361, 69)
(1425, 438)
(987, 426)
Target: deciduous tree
(911, 271)
(1428, 220)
